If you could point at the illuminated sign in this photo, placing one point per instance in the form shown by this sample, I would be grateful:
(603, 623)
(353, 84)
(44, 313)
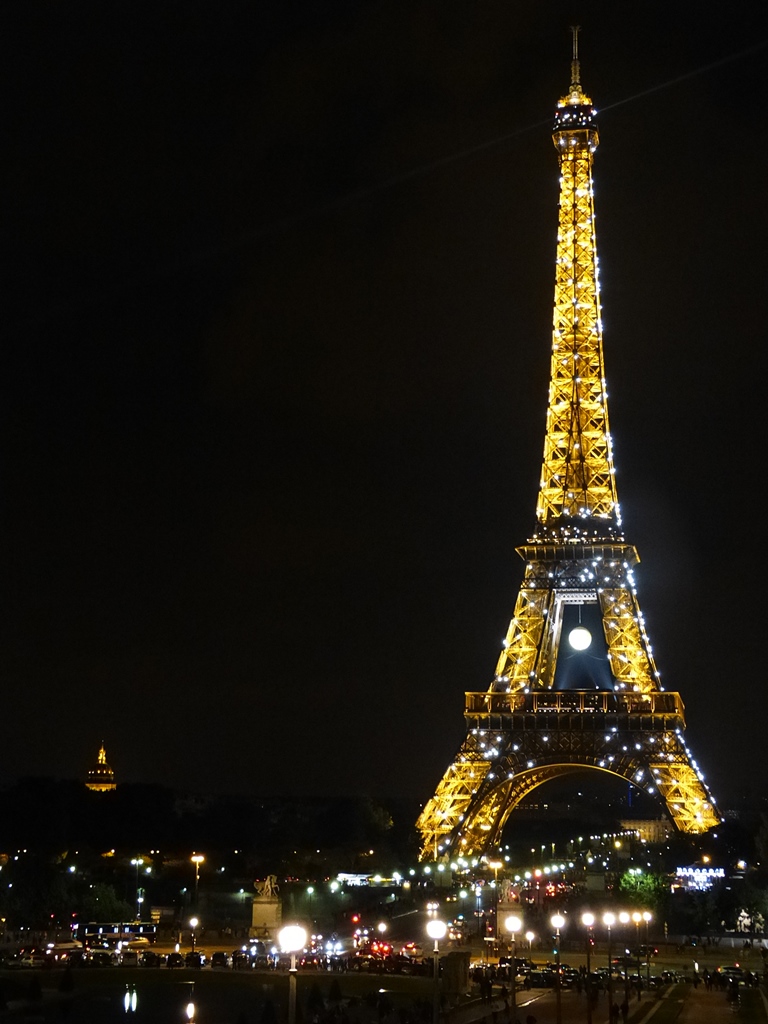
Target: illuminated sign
(701, 873)
(699, 878)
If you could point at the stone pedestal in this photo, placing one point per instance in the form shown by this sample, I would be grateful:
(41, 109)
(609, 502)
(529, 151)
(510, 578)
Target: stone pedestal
(266, 918)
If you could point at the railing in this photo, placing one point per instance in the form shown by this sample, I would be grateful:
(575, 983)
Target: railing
(573, 702)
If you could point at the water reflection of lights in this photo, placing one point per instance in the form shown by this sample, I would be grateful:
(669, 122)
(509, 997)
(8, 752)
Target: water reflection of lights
(129, 1000)
(190, 1007)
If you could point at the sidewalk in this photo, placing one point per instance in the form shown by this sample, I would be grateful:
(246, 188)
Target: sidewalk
(697, 1006)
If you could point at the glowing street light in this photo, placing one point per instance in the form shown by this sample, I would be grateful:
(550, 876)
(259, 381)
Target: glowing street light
(436, 930)
(193, 923)
(513, 924)
(137, 862)
(197, 859)
(292, 938)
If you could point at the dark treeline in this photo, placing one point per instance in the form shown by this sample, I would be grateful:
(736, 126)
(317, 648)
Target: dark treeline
(52, 816)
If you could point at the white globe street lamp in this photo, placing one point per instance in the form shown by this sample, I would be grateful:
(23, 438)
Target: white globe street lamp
(436, 930)
(513, 924)
(137, 862)
(292, 938)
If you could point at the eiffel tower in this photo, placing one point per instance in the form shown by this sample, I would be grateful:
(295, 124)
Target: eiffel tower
(576, 688)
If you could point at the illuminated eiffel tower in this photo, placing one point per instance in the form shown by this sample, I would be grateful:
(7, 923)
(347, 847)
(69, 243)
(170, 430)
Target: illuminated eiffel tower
(576, 688)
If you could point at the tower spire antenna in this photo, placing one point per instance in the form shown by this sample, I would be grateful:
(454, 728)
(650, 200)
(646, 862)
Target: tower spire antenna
(575, 72)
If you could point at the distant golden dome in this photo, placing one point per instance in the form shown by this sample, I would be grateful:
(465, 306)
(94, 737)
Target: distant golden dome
(101, 777)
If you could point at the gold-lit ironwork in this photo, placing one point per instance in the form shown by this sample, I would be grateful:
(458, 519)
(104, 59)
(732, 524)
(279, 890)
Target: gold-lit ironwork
(534, 723)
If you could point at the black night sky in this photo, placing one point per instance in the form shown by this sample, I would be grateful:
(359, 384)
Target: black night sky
(278, 287)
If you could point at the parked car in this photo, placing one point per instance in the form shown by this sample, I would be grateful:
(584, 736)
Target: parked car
(32, 958)
(220, 959)
(98, 958)
(174, 960)
(732, 973)
(241, 959)
(149, 959)
(195, 959)
(540, 979)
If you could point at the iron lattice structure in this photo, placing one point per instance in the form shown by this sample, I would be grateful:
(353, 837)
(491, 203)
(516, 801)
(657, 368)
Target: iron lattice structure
(575, 687)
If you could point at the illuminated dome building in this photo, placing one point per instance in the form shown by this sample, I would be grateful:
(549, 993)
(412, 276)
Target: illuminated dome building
(101, 777)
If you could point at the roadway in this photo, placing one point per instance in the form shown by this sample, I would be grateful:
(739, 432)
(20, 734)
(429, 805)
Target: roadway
(689, 1005)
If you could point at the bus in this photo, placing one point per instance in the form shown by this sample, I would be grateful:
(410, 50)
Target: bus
(110, 934)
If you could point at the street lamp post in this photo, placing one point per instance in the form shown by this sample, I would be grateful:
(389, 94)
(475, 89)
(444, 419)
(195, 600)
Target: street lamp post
(292, 938)
(137, 862)
(647, 918)
(495, 864)
(436, 930)
(197, 859)
(557, 923)
(588, 920)
(637, 917)
(513, 924)
(625, 919)
(609, 920)
(193, 923)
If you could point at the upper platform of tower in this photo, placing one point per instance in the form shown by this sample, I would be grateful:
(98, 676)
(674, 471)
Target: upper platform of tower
(575, 111)
(577, 495)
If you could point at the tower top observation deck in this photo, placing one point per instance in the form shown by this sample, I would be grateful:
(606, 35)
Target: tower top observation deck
(575, 110)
